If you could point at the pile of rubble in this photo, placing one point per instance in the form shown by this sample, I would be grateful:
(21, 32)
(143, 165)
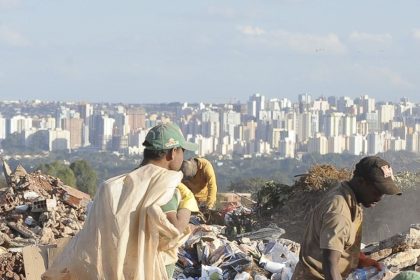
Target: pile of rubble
(399, 252)
(35, 209)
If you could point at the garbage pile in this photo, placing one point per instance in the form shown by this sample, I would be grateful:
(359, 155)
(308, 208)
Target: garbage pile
(261, 254)
(35, 209)
(399, 252)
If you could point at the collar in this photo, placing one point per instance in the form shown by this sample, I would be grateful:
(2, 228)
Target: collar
(351, 200)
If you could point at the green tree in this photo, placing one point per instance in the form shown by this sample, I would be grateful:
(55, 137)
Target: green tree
(86, 179)
(61, 170)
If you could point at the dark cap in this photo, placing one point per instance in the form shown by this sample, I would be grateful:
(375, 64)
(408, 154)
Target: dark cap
(378, 172)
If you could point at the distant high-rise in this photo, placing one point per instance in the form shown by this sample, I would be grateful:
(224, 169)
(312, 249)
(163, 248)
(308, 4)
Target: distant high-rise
(367, 103)
(256, 104)
(75, 126)
(304, 102)
(357, 145)
(85, 110)
(318, 144)
(18, 124)
(334, 124)
(136, 118)
(376, 143)
(386, 114)
(2, 128)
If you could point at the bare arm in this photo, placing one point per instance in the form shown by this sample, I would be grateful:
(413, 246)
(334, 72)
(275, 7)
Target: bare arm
(179, 219)
(330, 260)
(211, 186)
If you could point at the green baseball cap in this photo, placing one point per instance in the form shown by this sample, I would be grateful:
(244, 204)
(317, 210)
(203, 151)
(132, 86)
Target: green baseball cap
(167, 136)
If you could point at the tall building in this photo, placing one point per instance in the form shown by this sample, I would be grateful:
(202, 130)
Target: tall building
(373, 121)
(18, 124)
(386, 114)
(229, 121)
(376, 143)
(136, 118)
(368, 104)
(413, 142)
(349, 125)
(76, 128)
(256, 104)
(103, 131)
(344, 103)
(210, 124)
(2, 128)
(334, 124)
(304, 126)
(336, 144)
(58, 139)
(249, 131)
(398, 144)
(86, 111)
(305, 101)
(357, 145)
(318, 144)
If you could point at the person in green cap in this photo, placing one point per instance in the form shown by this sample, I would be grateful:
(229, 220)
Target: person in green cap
(127, 234)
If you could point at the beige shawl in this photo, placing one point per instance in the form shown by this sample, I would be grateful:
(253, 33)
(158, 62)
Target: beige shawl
(125, 231)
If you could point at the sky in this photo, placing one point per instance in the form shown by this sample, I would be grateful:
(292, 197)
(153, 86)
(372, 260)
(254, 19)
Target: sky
(136, 51)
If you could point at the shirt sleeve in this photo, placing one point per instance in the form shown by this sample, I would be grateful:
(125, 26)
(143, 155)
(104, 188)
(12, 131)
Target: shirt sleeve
(335, 231)
(211, 185)
(172, 205)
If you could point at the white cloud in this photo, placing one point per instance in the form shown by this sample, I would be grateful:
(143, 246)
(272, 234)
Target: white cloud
(12, 38)
(416, 34)
(251, 30)
(393, 77)
(9, 4)
(298, 42)
(308, 43)
(383, 76)
(362, 37)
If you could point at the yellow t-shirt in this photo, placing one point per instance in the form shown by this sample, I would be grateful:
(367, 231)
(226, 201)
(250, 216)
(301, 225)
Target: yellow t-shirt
(203, 184)
(335, 224)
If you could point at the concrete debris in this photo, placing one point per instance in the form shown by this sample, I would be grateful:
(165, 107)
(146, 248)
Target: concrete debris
(11, 266)
(35, 209)
(399, 252)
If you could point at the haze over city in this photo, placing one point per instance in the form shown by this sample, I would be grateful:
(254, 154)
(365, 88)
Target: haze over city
(154, 52)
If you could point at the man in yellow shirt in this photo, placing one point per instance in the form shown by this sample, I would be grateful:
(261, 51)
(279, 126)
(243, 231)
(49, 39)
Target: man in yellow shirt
(331, 246)
(200, 178)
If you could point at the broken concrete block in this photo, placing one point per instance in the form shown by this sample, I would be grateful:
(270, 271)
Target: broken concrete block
(402, 259)
(44, 205)
(30, 195)
(75, 197)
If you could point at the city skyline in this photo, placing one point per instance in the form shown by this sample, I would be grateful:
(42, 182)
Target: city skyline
(212, 52)
(261, 126)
